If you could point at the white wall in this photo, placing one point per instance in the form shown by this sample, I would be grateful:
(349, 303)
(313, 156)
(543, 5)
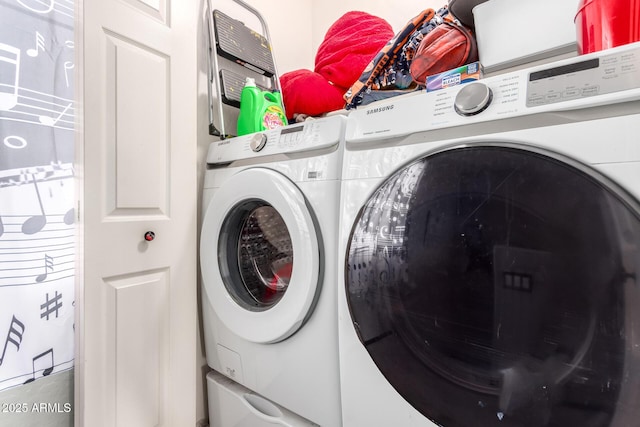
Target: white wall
(325, 13)
(297, 27)
(290, 28)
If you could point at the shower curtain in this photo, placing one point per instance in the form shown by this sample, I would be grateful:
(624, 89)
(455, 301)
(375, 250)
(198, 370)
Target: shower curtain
(37, 230)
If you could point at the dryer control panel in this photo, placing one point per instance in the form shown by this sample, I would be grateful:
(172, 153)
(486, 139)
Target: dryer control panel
(598, 79)
(310, 135)
(606, 73)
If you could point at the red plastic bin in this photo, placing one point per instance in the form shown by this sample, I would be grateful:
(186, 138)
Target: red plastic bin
(603, 24)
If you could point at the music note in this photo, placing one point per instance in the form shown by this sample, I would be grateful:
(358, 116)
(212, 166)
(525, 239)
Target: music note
(50, 121)
(39, 45)
(19, 143)
(69, 218)
(37, 222)
(46, 10)
(51, 306)
(48, 265)
(16, 330)
(46, 371)
(68, 65)
(11, 56)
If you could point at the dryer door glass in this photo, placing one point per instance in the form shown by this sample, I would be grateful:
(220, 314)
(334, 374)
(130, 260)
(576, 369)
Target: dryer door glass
(497, 286)
(255, 252)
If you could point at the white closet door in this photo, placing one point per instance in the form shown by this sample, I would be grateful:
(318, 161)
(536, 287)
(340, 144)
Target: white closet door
(138, 311)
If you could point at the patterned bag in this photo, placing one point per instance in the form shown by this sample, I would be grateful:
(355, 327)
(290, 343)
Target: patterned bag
(388, 73)
(448, 46)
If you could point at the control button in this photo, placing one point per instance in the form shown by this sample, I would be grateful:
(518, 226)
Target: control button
(571, 93)
(591, 90)
(258, 141)
(472, 99)
(553, 96)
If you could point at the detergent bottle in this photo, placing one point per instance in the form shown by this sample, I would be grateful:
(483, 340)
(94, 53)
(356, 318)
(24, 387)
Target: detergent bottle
(259, 110)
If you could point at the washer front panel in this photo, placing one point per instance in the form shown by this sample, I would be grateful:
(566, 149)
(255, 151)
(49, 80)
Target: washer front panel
(260, 256)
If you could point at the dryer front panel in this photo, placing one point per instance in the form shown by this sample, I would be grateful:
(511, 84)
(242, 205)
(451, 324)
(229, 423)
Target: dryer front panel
(494, 285)
(260, 256)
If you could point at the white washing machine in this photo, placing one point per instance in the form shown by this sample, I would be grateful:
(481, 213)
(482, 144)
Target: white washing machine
(490, 234)
(269, 264)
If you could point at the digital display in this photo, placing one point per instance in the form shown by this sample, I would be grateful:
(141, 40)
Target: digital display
(565, 69)
(291, 130)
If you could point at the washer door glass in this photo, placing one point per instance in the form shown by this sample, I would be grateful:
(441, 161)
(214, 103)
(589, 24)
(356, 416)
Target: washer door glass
(497, 286)
(258, 277)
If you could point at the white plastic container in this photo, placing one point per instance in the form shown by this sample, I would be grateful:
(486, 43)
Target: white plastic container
(511, 33)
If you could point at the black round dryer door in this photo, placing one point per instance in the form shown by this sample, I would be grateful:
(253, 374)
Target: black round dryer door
(497, 286)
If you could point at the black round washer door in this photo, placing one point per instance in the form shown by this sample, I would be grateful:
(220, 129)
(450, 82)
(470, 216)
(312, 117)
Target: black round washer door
(494, 285)
(255, 253)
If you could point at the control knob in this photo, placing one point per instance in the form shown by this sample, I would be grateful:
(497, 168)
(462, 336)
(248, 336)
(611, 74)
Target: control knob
(473, 99)
(258, 141)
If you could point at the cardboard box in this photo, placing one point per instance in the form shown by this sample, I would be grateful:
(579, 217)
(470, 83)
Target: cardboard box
(467, 73)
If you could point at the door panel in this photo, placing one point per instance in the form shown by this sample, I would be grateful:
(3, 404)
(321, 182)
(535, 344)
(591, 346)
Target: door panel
(139, 137)
(138, 314)
(140, 383)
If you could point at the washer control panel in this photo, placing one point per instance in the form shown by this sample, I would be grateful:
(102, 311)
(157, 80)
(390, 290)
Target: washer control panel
(310, 135)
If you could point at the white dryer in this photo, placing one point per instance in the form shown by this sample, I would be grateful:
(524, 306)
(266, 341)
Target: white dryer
(269, 264)
(491, 242)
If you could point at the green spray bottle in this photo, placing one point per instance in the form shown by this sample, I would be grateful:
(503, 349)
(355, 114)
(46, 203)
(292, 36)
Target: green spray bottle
(259, 110)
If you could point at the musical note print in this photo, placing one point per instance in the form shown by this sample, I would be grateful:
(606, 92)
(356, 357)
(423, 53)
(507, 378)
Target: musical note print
(37, 191)
(49, 121)
(53, 172)
(39, 46)
(37, 244)
(48, 366)
(51, 305)
(68, 218)
(36, 222)
(48, 266)
(43, 7)
(34, 107)
(19, 143)
(23, 264)
(46, 9)
(68, 66)
(9, 55)
(19, 103)
(14, 336)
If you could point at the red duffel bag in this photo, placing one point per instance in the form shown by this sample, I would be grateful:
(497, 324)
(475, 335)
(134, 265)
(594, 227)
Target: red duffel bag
(449, 45)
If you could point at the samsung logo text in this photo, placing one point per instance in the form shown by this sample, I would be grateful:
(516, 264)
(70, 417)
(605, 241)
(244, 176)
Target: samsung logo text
(380, 109)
